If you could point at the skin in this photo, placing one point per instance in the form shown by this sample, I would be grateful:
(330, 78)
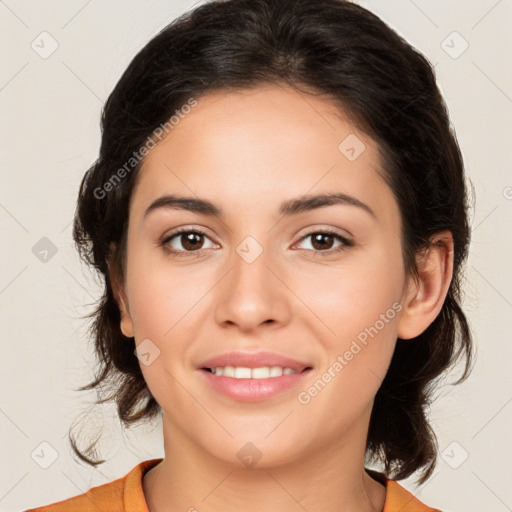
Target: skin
(247, 152)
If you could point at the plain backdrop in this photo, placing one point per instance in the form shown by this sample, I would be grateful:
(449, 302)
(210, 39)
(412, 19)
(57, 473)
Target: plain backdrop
(50, 109)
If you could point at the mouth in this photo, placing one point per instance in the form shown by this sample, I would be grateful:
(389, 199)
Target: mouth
(253, 376)
(243, 384)
(262, 372)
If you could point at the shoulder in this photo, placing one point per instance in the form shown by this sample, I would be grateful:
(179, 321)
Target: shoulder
(398, 498)
(123, 495)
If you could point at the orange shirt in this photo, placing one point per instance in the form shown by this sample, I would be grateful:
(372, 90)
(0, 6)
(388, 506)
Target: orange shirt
(126, 495)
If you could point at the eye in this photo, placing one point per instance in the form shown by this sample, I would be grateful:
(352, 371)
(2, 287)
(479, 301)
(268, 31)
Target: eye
(189, 239)
(322, 242)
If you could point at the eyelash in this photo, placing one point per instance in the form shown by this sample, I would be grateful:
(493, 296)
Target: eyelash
(345, 242)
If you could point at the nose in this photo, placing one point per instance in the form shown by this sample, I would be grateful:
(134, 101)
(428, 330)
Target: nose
(253, 291)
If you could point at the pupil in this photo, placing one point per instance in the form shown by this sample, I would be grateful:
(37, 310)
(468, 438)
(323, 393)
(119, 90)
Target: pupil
(318, 239)
(192, 240)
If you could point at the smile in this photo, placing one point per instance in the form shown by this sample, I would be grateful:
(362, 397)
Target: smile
(241, 372)
(253, 384)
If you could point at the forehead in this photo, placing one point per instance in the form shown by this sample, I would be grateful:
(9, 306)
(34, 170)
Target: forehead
(252, 148)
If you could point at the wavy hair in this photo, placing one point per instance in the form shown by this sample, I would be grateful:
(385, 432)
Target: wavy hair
(343, 52)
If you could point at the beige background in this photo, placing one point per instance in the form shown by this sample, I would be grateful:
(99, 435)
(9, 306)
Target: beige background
(49, 132)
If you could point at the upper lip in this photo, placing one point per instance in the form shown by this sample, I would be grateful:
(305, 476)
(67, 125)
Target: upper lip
(254, 360)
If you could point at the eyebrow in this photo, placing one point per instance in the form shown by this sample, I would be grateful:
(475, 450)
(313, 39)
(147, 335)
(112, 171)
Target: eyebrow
(288, 208)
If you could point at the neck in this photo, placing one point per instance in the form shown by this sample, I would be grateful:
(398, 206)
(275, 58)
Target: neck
(320, 480)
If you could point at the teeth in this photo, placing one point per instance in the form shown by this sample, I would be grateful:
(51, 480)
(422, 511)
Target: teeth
(241, 372)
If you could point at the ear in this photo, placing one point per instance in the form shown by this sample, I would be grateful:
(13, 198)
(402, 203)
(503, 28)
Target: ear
(424, 296)
(121, 299)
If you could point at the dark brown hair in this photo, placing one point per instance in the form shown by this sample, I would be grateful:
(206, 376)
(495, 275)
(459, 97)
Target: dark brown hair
(332, 48)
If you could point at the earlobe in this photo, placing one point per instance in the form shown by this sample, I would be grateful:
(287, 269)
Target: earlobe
(126, 320)
(126, 324)
(425, 295)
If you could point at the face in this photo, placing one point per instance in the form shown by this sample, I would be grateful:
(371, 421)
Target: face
(320, 285)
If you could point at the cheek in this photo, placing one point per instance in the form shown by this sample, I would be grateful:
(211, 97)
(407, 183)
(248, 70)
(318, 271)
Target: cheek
(162, 297)
(355, 311)
(163, 302)
(357, 357)
(353, 296)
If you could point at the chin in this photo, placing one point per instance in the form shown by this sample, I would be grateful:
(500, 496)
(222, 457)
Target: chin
(253, 451)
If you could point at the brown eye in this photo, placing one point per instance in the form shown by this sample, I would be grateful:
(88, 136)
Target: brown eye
(322, 242)
(191, 241)
(185, 241)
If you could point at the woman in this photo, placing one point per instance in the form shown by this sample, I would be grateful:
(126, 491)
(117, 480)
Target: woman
(280, 215)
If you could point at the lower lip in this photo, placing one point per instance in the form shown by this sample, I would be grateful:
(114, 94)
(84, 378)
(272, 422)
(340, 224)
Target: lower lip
(254, 390)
